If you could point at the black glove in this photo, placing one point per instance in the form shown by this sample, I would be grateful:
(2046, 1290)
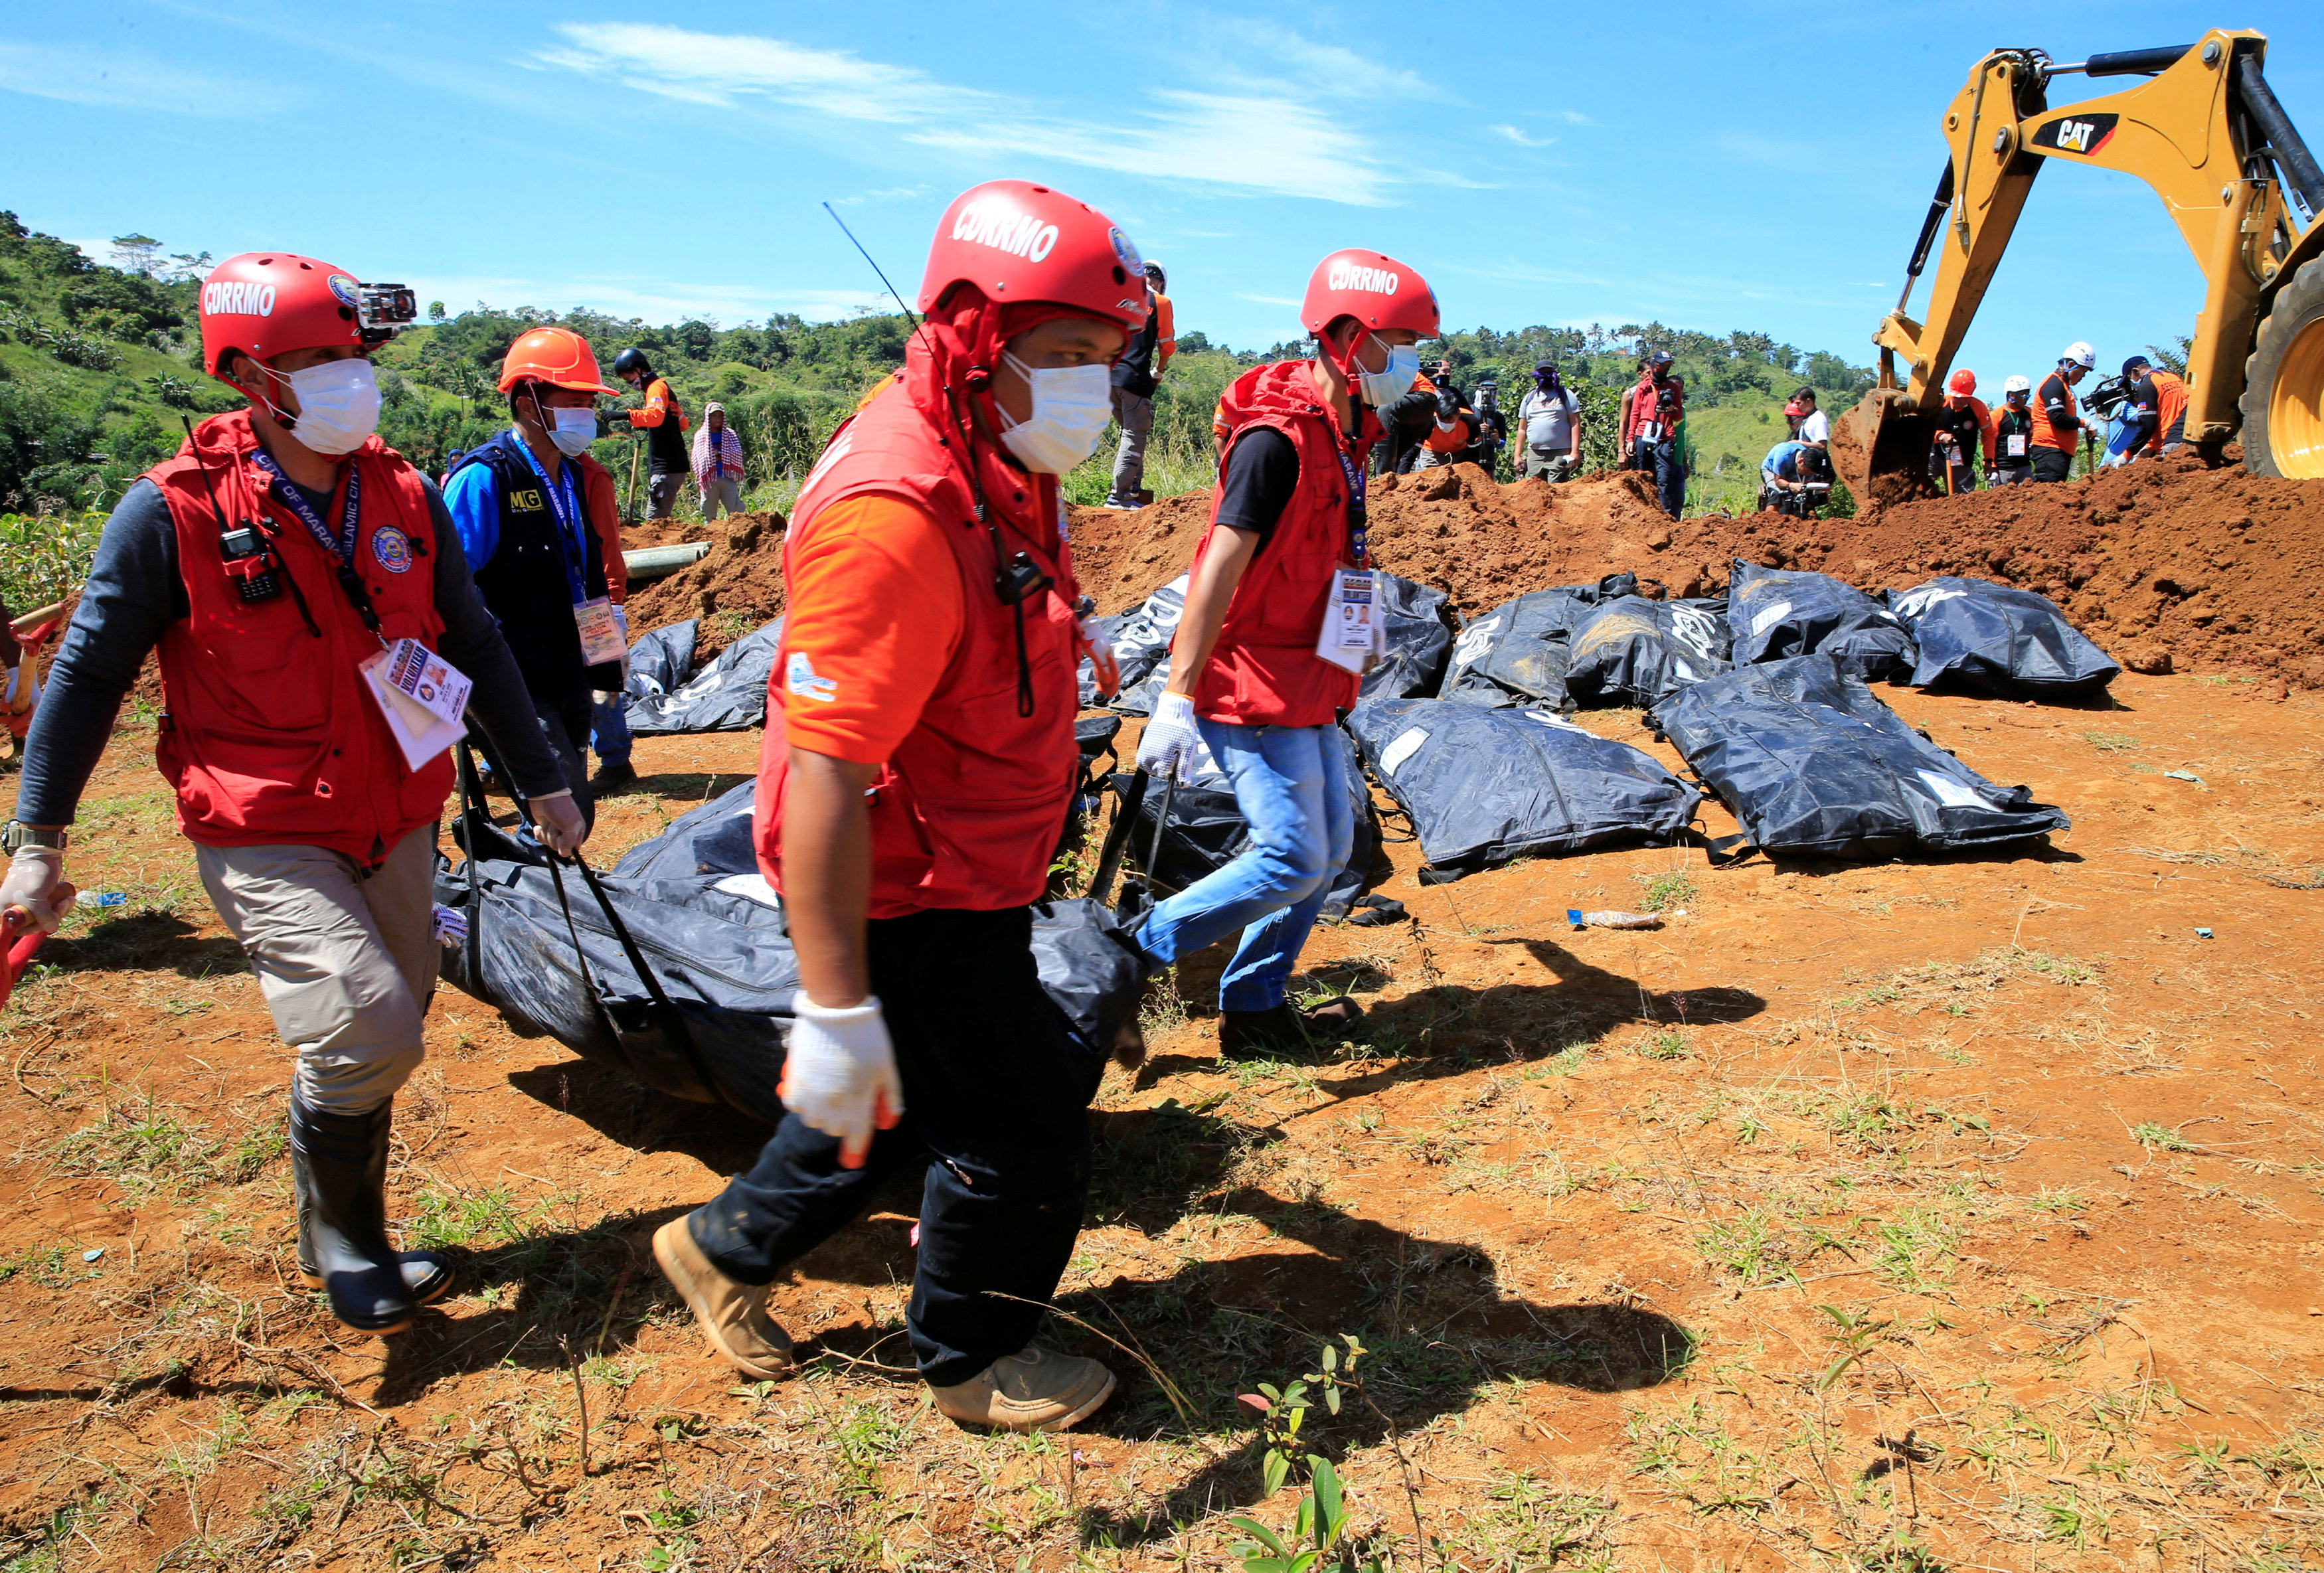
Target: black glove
(1448, 404)
(619, 420)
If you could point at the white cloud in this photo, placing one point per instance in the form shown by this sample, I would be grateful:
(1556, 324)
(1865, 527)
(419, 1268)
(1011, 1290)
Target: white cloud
(720, 68)
(100, 77)
(1572, 117)
(891, 194)
(1269, 299)
(1280, 52)
(1521, 139)
(1257, 142)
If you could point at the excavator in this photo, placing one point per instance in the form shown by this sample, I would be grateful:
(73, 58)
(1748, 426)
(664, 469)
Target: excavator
(2206, 132)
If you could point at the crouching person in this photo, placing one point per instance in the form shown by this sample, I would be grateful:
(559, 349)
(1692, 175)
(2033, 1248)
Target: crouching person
(918, 758)
(282, 548)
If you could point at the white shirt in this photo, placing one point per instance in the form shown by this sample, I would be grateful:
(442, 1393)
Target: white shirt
(1815, 428)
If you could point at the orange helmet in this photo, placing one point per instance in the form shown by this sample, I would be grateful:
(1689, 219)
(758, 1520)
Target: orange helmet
(1963, 382)
(555, 355)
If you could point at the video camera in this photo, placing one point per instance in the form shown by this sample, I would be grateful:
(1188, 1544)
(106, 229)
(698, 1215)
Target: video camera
(1800, 504)
(2109, 396)
(385, 311)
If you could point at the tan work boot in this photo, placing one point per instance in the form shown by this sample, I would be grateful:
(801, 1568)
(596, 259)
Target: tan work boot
(1033, 1390)
(733, 1316)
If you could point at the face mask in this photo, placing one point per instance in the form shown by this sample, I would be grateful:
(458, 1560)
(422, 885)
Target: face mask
(1071, 405)
(338, 406)
(573, 430)
(1393, 380)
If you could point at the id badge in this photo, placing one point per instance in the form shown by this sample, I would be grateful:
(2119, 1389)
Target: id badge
(421, 696)
(1353, 636)
(601, 632)
(2017, 446)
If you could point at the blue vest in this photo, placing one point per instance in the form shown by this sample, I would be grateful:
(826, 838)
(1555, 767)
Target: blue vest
(526, 585)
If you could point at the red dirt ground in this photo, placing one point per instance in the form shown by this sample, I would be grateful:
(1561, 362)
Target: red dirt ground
(1943, 1213)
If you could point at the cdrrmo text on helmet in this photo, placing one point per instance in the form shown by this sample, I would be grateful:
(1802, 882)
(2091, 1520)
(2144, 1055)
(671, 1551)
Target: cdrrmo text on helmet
(1004, 228)
(238, 297)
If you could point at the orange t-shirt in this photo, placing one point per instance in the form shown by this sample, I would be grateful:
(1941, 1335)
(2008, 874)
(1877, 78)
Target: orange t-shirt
(874, 614)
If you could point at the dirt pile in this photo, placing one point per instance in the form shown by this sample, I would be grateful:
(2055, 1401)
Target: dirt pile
(738, 587)
(2167, 565)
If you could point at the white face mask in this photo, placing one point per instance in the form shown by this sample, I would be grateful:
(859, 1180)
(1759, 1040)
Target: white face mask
(1071, 405)
(338, 406)
(572, 431)
(1393, 380)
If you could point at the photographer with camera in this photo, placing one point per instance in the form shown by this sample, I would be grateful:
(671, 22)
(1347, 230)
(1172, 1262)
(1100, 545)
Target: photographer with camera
(317, 633)
(1652, 411)
(917, 765)
(2158, 403)
(1453, 438)
(1794, 478)
(2057, 422)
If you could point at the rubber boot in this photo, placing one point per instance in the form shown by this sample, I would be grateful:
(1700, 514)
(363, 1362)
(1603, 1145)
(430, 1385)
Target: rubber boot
(426, 1277)
(339, 1164)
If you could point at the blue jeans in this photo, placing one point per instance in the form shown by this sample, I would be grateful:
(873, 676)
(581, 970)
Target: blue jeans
(1660, 460)
(609, 730)
(1289, 782)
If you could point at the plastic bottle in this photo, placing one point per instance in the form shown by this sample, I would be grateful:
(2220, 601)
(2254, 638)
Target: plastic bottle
(1613, 919)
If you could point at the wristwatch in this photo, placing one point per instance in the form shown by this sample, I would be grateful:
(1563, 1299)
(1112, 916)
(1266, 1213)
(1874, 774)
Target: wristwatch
(19, 834)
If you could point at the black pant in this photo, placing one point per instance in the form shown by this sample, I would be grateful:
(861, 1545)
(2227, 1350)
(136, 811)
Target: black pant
(997, 1091)
(1660, 460)
(566, 725)
(2052, 463)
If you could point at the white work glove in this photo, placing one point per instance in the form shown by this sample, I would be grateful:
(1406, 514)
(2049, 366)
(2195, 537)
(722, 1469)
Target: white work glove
(557, 823)
(1100, 651)
(33, 894)
(1170, 746)
(839, 1074)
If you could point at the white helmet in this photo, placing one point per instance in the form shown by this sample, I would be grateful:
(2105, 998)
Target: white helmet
(2018, 385)
(2081, 355)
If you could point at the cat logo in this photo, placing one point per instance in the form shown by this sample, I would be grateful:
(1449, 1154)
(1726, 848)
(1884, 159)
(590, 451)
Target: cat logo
(528, 501)
(2076, 133)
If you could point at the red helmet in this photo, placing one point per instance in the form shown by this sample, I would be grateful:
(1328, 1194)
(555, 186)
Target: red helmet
(264, 303)
(1963, 382)
(555, 355)
(1015, 241)
(1376, 290)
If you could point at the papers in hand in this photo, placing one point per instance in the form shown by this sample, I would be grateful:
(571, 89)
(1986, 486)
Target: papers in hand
(423, 695)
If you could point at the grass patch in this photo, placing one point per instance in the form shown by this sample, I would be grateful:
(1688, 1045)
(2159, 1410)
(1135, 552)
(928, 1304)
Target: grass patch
(1669, 1044)
(2110, 742)
(2161, 1138)
(1667, 891)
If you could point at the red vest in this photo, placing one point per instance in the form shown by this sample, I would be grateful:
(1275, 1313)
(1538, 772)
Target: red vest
(967, 812)
(272, 735)
(1646, 405)
(1264, 670)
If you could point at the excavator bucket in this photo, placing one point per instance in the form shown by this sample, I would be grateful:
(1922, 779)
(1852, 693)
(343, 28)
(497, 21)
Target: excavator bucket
(1880, 449)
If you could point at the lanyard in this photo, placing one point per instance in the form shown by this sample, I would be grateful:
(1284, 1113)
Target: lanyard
(343, 546)
(567, 508)
(1354, 474)
(340, 548)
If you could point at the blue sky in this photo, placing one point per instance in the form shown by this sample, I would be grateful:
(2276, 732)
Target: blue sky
(1720, 166)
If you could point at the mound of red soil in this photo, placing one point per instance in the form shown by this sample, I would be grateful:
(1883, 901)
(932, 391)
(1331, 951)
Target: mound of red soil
(743, 576)
(2166, 565)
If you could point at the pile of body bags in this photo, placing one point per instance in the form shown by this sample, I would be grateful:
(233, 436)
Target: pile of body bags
(676, 966)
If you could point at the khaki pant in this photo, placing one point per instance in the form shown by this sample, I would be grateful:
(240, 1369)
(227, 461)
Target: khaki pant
(346, 961)
(1554, 465)
(721, 491)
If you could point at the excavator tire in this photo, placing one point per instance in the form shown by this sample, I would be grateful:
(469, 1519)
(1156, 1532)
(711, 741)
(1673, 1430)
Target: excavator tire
(2284, 382)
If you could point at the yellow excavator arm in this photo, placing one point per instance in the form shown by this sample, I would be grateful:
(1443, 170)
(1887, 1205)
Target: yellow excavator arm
(2205, 131)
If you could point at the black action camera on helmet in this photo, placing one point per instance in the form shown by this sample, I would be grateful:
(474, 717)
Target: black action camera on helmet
(385, 311)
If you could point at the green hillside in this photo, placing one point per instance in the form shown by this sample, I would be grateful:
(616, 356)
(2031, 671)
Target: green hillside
(98, 363)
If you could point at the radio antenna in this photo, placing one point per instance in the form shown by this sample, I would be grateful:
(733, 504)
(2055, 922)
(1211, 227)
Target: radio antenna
(909, 315)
